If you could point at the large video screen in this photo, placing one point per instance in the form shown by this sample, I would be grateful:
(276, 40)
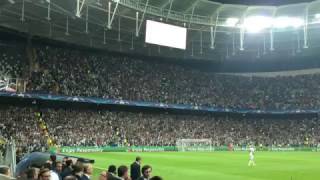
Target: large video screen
(166, 35)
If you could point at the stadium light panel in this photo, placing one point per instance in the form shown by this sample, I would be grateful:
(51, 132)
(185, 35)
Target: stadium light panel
(286, 22)
(317, 16)
(232, 22)
(255, 24)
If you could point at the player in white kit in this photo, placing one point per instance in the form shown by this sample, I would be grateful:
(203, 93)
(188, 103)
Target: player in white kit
(251, 157)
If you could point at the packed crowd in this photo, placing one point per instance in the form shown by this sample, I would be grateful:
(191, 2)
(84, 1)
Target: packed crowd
(11, 62)
(78, 169)
(76, 73)
(100, 128)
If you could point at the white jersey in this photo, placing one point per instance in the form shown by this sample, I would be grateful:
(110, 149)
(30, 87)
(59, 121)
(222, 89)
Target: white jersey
(251, 154)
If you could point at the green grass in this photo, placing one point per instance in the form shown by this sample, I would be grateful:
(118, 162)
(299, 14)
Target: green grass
(218, 165)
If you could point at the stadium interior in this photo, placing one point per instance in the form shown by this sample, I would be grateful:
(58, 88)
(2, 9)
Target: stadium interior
(159, 89)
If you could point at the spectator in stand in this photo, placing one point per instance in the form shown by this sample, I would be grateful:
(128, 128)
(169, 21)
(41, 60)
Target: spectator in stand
(135, 170)
(111, 174)
(146, 172)
(123, 172)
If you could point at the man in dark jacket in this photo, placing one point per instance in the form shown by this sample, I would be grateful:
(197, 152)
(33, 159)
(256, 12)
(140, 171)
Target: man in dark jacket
(135, 171)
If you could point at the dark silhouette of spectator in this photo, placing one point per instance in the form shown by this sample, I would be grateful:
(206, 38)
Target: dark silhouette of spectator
(111, 174)
(156, 178)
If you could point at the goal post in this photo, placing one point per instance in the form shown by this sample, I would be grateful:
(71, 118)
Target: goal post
(204, 145)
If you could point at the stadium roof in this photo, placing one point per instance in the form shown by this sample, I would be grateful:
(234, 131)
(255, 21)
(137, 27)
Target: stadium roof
(215, 30)
(262, 2)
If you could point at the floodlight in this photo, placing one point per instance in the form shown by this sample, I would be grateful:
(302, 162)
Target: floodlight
(297, 22)
(285, 22)
(12, 1)
(255, 24)
(316, 19)
(231, 22)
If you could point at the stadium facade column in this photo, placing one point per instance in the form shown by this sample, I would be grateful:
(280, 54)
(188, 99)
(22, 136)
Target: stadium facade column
(305, 28)
(271, 31)
(242, 29)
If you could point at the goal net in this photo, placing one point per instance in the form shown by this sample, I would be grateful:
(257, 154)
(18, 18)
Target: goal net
(194, 145)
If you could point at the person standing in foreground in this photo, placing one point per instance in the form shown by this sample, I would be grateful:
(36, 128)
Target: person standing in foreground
(135, 171)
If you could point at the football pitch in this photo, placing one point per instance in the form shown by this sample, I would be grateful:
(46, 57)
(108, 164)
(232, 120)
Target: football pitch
(217, 165)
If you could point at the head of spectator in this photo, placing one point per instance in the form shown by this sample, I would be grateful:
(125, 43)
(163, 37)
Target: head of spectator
(146, 171)
(103, 175)
(32, 173)
(112, 169)
(138, 159)
(5, 170)
(156, 178)
(123, 172)
(69, 163)
(53, 158)
(58, 167)
(78, 169)
(64, 160)
(44, 174)
(88, 170)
